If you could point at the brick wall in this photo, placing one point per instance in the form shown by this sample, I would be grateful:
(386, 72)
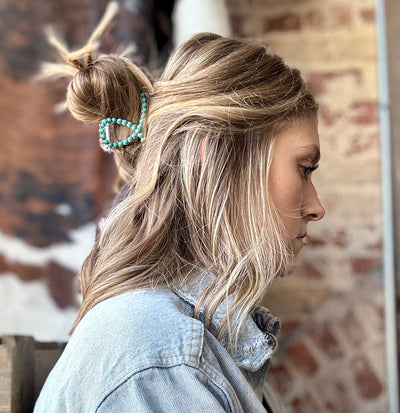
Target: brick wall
(331, 354)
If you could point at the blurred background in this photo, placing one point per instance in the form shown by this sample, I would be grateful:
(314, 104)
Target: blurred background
(338, 349)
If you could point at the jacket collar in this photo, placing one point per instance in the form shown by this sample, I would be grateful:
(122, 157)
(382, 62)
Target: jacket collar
(257, 338)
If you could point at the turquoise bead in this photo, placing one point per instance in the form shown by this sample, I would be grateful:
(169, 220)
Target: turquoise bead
(136, 128)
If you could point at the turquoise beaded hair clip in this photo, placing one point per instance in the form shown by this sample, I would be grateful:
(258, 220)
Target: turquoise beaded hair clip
(104, 129)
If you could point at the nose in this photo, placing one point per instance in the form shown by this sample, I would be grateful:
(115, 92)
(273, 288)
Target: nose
(314, 210)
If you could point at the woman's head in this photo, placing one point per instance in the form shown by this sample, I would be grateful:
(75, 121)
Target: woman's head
(196, 194)
(215, 115)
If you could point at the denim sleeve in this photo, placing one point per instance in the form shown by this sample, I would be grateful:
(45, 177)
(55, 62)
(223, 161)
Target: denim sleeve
(176, 389)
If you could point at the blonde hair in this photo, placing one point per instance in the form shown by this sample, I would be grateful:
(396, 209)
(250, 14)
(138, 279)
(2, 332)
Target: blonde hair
(195, 193)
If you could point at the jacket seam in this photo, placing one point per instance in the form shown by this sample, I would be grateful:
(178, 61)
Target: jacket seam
(198, 368)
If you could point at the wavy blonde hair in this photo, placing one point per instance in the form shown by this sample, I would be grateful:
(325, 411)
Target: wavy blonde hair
(194, 195)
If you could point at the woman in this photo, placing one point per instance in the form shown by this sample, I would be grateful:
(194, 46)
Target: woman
(215, 162)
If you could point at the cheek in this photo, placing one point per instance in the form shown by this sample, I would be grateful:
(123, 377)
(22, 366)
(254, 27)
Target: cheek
(286, 193)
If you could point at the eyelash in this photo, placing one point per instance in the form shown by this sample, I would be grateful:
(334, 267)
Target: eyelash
(307, 170)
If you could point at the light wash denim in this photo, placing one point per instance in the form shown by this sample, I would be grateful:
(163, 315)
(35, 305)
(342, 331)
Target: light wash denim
(142, 351)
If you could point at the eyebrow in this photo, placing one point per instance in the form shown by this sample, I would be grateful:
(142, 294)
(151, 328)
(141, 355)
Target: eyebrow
(315, 155)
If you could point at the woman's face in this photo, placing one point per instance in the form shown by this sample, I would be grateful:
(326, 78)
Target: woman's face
(296, 155)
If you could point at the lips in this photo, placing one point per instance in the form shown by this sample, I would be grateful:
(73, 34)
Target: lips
(302, 238)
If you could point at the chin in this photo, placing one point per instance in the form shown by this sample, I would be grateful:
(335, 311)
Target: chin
(297, 246)
(297, 252)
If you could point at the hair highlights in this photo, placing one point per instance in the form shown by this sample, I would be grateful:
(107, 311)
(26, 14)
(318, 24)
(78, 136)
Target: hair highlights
(195, 196)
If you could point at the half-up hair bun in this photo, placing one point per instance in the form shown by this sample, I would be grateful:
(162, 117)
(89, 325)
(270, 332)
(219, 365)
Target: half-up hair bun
(100, 86)
(78, 60)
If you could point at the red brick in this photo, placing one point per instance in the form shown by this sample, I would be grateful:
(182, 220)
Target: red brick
(280, 378)
(320, 80)
(362, 265)
(352, 329)
(325, 340)
(304, 404)
(368, 15)
(381, 318)
(363, 142)
(315, 18)
(341, 239)
(283, 23)
(341, 17)
(289, 325)
(367, 383)
(301, 358)
(337, 399)
(333, 18)
(364, 113)
(328, 116)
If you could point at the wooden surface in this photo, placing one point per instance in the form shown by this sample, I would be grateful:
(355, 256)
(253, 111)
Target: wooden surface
(16, 374)
(24, 367)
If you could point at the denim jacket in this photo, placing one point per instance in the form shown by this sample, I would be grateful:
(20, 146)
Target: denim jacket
(142, 351)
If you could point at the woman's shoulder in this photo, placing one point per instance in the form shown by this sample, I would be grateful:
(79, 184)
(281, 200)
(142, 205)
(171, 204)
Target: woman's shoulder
(144, 326)
(119, 339)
